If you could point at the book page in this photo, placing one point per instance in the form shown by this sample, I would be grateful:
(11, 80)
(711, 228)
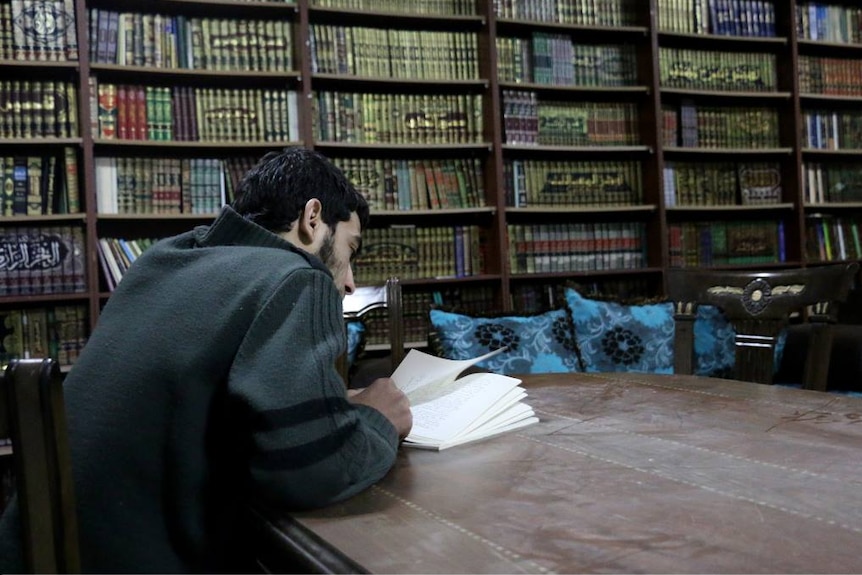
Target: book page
(449, 415)
(419, 369)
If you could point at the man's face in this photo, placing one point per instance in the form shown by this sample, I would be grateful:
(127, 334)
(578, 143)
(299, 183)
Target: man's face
(337, 251)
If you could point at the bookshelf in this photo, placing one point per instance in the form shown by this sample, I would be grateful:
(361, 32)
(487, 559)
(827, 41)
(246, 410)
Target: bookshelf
(505, 146)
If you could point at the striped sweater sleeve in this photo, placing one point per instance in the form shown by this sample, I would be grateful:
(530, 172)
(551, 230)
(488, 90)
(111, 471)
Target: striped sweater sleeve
(310, 446)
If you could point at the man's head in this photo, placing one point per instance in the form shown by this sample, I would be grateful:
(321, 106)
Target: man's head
(301, 196)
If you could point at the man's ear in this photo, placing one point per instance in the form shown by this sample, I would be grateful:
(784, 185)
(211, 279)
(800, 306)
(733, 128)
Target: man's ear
(311, 221)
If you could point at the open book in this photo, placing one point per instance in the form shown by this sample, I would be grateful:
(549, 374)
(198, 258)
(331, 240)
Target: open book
(449, 411)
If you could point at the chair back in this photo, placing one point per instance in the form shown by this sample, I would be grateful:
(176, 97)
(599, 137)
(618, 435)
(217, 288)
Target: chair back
(368, 298)
(32, 413)
(759, 305)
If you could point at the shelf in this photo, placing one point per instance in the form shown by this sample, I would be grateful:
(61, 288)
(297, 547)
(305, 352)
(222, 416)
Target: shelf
(29, 65)
(584, 273)
(577, 90)
(650, 208)
(433, 213)
(819, 152)
(728, 94)
(40, 142)
(155, 217)
(808, 98)
(833, 206)
(749, 208)
(328, 145)
(229, 146)
(721, 42)
(608, 33)
(81, 218)
(114, 70)
(344, 81)
(325, 15)
(736, 152)
(44, 298)
(586, 150)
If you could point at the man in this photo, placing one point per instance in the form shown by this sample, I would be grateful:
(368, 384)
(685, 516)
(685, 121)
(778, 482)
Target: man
(210, 380)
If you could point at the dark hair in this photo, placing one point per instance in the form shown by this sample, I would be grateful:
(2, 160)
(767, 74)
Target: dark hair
(274, 192)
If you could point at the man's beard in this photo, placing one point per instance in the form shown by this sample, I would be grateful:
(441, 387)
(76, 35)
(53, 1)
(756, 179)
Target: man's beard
(326, 253)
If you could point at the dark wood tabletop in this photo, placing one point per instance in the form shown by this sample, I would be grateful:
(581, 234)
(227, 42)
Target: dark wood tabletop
(624, 473)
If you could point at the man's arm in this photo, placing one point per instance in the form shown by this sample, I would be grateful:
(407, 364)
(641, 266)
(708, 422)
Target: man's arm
(310, 445)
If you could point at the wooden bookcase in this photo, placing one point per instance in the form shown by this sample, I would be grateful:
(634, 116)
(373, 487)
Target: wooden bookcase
(683, 197)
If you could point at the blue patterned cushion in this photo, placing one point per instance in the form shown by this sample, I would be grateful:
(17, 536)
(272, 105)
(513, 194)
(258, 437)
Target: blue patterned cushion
(355, 340)
(618, 337)
(542, 343)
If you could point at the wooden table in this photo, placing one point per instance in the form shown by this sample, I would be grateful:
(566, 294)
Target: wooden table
(624, 473)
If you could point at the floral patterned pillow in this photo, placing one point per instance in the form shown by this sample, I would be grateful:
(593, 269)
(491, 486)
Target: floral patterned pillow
(541, 343)
(619, 337)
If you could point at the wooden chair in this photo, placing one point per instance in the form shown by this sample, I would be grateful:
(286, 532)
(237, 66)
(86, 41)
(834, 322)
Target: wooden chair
(367, 299)
(759, 304)
(32, 413)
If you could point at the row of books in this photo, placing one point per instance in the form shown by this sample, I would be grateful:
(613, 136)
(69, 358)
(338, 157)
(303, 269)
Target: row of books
(688, 69)
(721, 183)
(830, 76)
(166, 41)
(529, 183)
(553, 59)
(38, 109)
(527, 120)
(692, 126)
(424, 8)
(40, 185)
(829, 238)
(581, 12)
(751, 18)
(182, 113)
(412, 252)
(715, 243)
(831, 129)
(397, 118)
(831, 182)
(58, 331)
(165, 185)
(38, 30)
(42, 260)
(393, 53)
(116, 255)
(829, 23)
(572, 247)
(404, 185)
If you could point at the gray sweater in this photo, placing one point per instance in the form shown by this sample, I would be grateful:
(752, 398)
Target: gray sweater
(210, 380)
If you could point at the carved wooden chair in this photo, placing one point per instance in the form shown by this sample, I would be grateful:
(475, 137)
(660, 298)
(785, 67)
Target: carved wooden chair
(369, 298)
(759, 305)
(32, 413)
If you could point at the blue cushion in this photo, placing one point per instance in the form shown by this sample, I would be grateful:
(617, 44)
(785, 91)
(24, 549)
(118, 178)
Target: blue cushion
(541, 343)
(355, 340)
(621, 337)
(618, 337)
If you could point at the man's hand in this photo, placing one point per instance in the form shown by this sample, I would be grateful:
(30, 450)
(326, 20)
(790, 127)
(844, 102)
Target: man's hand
(383, 396)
